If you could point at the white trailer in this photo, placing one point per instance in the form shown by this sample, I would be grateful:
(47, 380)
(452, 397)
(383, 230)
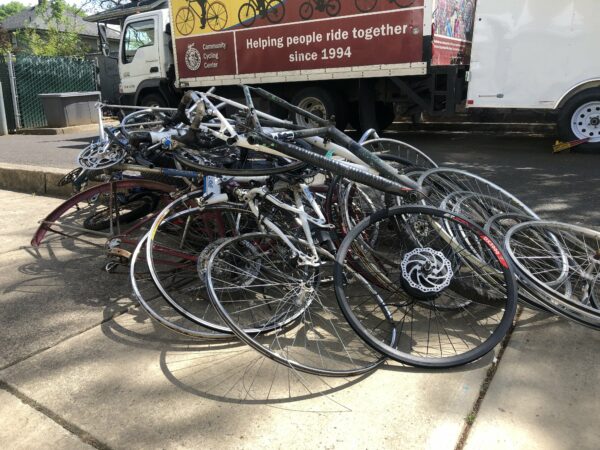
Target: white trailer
(542, 55)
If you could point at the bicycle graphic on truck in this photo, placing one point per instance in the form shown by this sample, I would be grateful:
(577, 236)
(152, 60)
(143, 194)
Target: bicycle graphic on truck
(273, 11)
(369, 5)
(212, 13)
(331, 7)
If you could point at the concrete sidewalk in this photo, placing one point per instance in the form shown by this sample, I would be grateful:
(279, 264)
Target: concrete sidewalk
(82, 366)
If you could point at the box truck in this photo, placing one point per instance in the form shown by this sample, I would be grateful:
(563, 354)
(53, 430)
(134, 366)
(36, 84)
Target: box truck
(365, 61)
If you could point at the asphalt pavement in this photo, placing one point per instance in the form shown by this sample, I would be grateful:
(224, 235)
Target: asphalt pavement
(82, 367)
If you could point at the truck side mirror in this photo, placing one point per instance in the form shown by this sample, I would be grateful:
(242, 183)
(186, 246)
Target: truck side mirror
(104, 47)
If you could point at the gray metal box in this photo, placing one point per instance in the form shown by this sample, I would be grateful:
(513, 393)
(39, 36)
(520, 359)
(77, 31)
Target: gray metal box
(66, 109)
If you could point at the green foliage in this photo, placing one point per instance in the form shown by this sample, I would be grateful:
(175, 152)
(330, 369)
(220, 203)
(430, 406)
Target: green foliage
(10, 9)
(62, 36)
(5, 43)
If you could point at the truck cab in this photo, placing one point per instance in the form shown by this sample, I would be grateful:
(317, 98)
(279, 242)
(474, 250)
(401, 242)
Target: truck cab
(146, 60)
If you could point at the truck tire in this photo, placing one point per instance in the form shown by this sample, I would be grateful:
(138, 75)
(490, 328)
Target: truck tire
(322, 103)
(579, 118)
(384, 116)
(153, 100)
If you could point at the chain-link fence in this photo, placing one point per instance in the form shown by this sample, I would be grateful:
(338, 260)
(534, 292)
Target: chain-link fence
(35, 75)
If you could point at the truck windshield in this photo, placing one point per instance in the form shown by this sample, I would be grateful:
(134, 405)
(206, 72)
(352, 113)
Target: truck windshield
(137, 35)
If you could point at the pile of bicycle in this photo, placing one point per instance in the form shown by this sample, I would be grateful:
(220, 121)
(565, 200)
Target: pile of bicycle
(326, 254)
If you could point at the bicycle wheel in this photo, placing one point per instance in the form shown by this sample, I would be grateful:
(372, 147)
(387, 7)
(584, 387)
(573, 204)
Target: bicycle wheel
(295, 301)
(247, 14)
(152, 301)
(216, 16)
(103, 200)
(562, 261)
(181, 237)
(485, 201)
(418, 284)
(142, 120)
(333, 8)
(275, 11)
(185, 21)
(357, 201)
(226, 160)
(365, 5)
(412, 155)
(132, 207)
(306, 10)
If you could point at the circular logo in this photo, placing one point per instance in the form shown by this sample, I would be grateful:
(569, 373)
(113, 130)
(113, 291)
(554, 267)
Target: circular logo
(193, 60)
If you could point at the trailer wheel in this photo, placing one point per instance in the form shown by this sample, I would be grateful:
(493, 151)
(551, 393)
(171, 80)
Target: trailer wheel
(579, 118)
(321, 103)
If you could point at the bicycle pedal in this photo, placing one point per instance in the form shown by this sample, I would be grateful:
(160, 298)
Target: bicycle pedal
(119, 253)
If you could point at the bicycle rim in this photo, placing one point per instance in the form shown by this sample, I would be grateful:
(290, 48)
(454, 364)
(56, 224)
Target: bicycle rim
(151, 300)
(309, 331)
(424, 286)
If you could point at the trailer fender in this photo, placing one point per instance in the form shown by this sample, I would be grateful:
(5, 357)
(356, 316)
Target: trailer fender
(584, 85)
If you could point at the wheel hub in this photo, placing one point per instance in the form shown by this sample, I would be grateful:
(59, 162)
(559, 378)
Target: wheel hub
(425, 273)
(585, 122)
(314, 106)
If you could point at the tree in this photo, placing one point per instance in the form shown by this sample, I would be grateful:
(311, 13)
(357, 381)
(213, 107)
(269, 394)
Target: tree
(103, 5)
(5, 43)
(11, 9)
(61, 38)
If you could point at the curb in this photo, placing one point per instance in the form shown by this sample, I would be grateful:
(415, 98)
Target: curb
(67, 130)
(56, 131)
(33, 180)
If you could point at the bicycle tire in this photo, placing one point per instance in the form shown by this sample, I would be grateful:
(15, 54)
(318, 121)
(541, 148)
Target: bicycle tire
(401, 149)
(365, 5)
(442, 182)
(216, 15)
(333, 8)
(425, 277)
(171, 242)
(275, 11)
(247, 14)
(140, 118)
(70, 210)
(192, 159)
(579, 293)
(137, 208)
(306, 10)
(404, 3)
(309, 332)
(152, 302)
(184, 18)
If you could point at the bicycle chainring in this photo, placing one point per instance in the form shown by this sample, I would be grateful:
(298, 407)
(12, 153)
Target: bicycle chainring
(98, 155)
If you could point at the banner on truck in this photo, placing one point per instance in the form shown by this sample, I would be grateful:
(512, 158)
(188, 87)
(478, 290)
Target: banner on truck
(238, 38)
(453, 22)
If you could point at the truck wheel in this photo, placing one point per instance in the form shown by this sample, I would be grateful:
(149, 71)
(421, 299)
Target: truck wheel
(579, 118)
(323, 104)
(153, 101)
(384, 116)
